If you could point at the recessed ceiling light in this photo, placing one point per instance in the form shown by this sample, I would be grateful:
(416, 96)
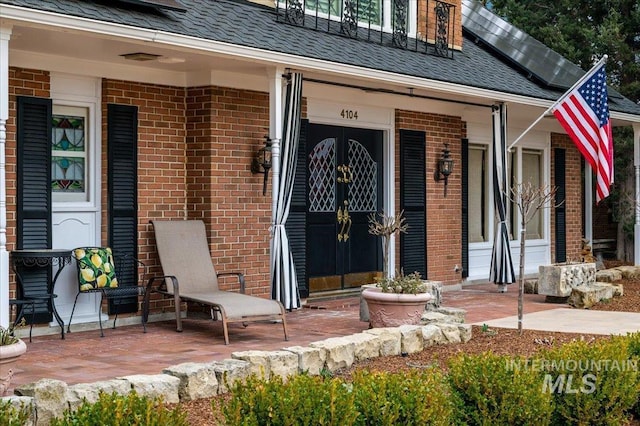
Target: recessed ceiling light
(140, 56)
(170, 60)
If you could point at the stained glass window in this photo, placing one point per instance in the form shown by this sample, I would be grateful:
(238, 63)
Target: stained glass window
(68, 153)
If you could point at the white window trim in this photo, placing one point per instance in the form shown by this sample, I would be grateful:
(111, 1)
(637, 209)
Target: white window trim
(61, 201)
(540, 142)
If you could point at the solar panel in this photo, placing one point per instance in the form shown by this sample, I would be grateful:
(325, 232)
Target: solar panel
(532, 56)
(162, 4)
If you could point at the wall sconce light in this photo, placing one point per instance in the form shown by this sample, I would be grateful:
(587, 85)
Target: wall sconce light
(445, 167)
(262, 163)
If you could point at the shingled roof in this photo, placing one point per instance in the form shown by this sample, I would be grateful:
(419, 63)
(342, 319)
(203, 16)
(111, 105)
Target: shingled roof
(248, 24)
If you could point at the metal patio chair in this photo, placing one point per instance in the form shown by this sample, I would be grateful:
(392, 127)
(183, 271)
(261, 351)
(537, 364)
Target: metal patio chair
(96, 267)
(189, 276)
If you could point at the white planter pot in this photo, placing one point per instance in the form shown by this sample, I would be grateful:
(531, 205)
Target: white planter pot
(9, 354)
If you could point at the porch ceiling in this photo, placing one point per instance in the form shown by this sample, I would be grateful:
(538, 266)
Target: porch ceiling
(108, 49)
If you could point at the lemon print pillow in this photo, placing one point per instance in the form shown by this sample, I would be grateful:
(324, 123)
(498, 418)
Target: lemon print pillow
(95, 268)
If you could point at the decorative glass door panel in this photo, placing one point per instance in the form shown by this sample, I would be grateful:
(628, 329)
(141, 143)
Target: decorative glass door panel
(344, 186)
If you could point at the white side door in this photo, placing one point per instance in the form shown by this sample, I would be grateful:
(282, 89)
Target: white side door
(75, 183)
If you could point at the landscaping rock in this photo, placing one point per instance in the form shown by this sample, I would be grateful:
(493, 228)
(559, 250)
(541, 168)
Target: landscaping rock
(155, 386)
(367, 346)
(340, 352)
(430, 317)
(49, 396)
(451, 332)
(390, 340)
(258, 362)
(618, 290)
(310, 360)
(229, 371)
(457, 313)
(411, 338)
(627, 271)
(608, 275)
(559, 279)
(432, 335)
(90, 392)
(531, 286)
(586, 297)
(283, 364)
(466, 332)
(435, 289)
(197, 380)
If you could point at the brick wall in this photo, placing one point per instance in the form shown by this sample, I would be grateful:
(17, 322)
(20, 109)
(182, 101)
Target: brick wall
(22, 82)
(225, 128)
(444, 222)
(427, 19)
(161, 159)
(161, 154)
(574, 191)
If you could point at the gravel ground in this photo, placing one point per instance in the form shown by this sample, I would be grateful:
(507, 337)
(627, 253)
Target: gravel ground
(500, 341)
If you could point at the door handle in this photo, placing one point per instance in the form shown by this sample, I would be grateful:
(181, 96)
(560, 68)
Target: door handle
(344, 219)
(347, 222)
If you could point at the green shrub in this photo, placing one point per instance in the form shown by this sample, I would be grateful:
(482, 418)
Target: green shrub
(498, 390)
(592, 383)
(412, 398)
(115, 410)
(11, 415)
(303, 400)
(634, 356)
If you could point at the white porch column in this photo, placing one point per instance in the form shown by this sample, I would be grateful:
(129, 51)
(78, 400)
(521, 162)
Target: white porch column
(5, 35)
(636, 164)
(275, 134)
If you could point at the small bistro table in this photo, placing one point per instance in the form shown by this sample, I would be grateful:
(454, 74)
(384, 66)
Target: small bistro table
(26, 260)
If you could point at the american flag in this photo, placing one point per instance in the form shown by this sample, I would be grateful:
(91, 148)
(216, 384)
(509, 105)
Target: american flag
(584, 114)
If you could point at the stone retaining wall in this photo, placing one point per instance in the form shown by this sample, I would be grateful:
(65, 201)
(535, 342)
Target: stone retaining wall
(184, 382)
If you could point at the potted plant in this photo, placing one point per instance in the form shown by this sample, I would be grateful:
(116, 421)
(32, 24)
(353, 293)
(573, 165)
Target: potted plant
(397, 300)
(11, 348)
(394, 300)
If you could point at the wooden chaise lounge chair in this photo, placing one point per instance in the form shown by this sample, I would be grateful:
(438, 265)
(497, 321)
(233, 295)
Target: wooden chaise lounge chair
(189, 276)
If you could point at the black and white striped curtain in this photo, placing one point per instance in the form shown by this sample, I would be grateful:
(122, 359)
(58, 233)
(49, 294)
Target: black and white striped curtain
(284, 286)
(501, 262)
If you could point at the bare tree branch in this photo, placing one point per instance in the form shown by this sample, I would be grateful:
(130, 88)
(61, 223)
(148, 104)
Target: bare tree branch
(529, 199)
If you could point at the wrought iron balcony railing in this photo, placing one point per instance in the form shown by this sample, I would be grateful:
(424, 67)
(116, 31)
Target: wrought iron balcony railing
(420, 25)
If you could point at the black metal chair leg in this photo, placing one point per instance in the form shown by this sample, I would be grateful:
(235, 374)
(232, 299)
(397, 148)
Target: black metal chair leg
(72, 311)
(145, 311)
(115, 305)
(99, 316)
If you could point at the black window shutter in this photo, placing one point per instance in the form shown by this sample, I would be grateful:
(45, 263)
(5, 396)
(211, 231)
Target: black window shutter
(413, 201)
(465, 208)
(297, 221)
(560, 211)
(33, 209)
(122, 140)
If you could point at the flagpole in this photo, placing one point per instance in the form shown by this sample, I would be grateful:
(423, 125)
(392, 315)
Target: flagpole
(576, 84)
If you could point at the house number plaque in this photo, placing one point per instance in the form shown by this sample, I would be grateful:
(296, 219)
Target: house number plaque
(349, 114)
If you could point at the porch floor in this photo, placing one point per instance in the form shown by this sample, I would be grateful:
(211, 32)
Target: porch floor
(86, 357)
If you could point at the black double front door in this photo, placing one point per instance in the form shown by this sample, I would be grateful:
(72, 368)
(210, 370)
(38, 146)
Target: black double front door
(343, 187)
